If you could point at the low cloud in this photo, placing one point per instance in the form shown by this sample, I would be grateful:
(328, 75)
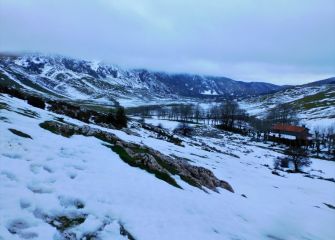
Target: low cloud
(284, 42)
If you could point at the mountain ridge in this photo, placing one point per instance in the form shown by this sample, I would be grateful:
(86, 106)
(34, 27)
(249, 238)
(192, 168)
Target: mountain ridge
(93, 80)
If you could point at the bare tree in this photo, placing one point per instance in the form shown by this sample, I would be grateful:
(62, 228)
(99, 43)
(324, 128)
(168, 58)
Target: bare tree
(298, 156)
(330, 138)
(214, 114)
(198, 112)
(317, 140)
(229, 111)
(186, 112)
(175, 112)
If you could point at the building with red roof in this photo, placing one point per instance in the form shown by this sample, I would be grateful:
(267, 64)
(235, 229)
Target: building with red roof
(291, 132)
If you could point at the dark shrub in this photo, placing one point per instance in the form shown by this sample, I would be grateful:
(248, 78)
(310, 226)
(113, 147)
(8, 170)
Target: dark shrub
(36, 102)
(84, 116)
(281, 163)
(120, 118)
(12, 92)
(184, 129)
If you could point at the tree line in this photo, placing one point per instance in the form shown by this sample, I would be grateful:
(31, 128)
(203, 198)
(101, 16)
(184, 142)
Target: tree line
(227, 113)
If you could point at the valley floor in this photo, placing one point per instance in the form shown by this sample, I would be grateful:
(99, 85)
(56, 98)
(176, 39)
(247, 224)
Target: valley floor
(54, 187)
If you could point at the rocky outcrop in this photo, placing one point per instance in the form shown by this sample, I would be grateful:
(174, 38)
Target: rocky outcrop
(153, 161)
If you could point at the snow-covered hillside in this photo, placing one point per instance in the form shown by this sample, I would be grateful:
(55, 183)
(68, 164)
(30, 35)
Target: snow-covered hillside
(80, 80)
(56, 187)
(314, 103)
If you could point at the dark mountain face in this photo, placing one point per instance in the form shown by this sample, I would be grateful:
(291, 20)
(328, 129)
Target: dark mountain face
(91, 80)
(206, 86)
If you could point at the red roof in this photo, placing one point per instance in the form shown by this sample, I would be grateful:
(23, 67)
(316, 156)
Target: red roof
(288, 128)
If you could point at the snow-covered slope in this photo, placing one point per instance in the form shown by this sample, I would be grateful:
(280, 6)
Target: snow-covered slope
(77, 79)
(89, 80)
(315, 102)
(53, 187)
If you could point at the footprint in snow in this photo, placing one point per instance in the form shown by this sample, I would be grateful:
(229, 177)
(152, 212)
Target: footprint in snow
(48, 169)
(39, 188)
(25, 203)
(35, 168)
(19, 227)
(12, 155)
(71, 202)
(72, 175)
(9, 175)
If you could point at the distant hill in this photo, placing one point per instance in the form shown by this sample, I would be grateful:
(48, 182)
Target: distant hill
(314, 102)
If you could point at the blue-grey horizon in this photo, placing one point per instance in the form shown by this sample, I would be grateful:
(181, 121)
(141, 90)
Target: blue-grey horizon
(281, 42)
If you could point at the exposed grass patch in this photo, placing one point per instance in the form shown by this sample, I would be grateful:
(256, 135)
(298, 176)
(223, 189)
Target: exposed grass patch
(47, 125)
(163, 176)
(7, 82)
(140, 150)
(321, 99)
(171, 169)
(4, 106)
(63, 223)
(19, 133)
(132, 162)
(103, 138)
(190, 181)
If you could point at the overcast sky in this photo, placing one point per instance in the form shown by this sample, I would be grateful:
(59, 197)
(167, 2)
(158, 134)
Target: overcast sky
(278, 41)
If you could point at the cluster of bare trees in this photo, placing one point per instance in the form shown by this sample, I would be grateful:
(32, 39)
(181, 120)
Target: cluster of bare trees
(228, 114)
(324, 139)
(180, 112)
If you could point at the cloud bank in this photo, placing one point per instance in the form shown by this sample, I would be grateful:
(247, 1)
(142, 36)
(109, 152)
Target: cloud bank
(280, 41)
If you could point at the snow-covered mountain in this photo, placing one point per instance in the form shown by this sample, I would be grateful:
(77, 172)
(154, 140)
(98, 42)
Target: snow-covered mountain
(89, 80)
(314, 102)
